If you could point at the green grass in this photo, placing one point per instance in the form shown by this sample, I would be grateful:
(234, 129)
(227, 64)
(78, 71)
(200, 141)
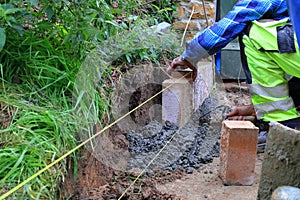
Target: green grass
(36, 137)
(43, 117)
(42, 123)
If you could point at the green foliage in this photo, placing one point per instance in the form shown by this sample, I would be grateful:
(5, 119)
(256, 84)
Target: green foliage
(92, 78)
(2, 38)
(162, 10)
(9, 16)
(36, 137)
(43, 48)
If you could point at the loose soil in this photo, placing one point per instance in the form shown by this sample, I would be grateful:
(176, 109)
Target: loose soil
(193, 174)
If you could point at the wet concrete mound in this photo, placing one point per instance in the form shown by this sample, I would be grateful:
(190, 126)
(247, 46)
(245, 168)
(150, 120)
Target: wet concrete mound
(167, 146)
(155, 142)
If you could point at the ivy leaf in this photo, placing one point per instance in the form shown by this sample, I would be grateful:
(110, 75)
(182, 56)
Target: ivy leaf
(34, 2)
(2, 38)
(49, 12)
(66, 2)
(13, 10)
(19, 29)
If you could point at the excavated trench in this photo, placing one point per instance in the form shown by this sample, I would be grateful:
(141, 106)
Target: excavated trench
(188, 147)
(161, 152)
(142, 144)
(147, 142)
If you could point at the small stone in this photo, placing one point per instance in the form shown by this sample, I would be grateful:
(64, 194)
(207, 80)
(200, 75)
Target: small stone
(181, 25)
(180, 12)
(189, 170)
(197, 165)
(286, 192)
(161, 27)
(150, 173)
(199, 11)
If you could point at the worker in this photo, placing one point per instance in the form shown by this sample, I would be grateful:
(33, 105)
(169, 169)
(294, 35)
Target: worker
(294, 9)
(272, 55)
(294, 83)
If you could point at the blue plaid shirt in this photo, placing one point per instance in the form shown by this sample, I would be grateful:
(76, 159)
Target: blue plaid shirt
(212, 39)
(294, 9)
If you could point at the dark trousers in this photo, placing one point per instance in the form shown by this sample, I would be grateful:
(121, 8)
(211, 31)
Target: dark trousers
(294, 89)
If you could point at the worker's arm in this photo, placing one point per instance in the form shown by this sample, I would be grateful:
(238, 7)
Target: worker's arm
(242, 112)
(181, 62)
(214, 38)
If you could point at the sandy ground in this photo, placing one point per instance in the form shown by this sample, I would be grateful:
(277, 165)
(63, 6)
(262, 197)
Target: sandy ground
(206, 184)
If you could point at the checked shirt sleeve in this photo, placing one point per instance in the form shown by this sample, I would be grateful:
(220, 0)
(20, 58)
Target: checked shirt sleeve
(214, 38)
(294, 9)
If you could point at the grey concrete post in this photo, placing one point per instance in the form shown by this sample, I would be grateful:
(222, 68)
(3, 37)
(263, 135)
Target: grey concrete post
(281, 165)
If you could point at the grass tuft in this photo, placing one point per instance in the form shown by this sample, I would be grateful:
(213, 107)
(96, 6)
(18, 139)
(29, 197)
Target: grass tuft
(43, 50)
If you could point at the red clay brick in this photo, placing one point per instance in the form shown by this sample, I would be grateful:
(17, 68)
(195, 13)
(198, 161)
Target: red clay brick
(238, 152)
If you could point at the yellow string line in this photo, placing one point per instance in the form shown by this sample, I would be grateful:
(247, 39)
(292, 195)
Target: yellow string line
(187, 25)
(80, 145)
(142, 172)
(153, 159)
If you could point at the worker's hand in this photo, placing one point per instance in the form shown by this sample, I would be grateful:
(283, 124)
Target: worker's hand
(239, 113)
(178, 62)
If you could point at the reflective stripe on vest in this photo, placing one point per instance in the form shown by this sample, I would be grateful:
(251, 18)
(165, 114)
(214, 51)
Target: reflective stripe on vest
(265, 108)
(277, 91)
